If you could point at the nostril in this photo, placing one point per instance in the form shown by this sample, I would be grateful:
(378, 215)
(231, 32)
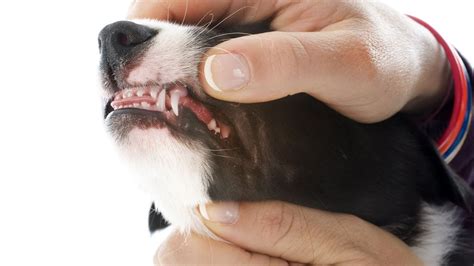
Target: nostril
(123, 39)
(118, 40)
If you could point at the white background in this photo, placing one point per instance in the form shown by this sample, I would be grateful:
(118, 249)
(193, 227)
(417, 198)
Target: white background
(64, 198)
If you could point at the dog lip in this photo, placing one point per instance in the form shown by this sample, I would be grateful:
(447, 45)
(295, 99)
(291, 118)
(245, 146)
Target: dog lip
(167, 99)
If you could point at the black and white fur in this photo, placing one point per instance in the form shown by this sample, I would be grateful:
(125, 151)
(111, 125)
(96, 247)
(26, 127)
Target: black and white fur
(295, 149)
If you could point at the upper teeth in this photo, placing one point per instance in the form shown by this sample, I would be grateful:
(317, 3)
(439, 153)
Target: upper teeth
(154, 93)
(176, 94)
(212, 125)
(161, 101)
(157, 95)
(174, 102)
(155, 99)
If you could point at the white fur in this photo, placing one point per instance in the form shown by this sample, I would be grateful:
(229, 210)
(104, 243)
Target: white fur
(176, 175)
(172, 55)
(441, 226)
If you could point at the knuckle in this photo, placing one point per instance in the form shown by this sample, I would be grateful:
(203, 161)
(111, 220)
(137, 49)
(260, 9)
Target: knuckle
(282, 226)
(275, 221)
(363, 51)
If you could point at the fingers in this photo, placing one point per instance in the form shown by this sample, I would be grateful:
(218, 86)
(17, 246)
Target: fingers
(272, 65)
(197, 250)
(304, 235)
(193, 11)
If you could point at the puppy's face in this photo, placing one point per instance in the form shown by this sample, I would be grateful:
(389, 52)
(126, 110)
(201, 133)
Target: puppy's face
(178, 139)
(189, 149)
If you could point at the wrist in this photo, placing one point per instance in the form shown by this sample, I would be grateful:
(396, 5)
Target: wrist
(434, 77)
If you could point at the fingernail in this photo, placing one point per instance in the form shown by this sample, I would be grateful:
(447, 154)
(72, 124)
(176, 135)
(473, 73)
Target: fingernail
(225, 212)
(226, 72)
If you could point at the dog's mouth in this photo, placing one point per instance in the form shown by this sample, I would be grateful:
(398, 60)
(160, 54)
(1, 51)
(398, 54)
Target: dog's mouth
(166, 102)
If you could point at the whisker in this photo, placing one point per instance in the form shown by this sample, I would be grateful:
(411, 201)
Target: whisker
(168, 13)
(223, 156)
(221, 149)
(205, 15)
(205, 28)
(230, 33)
(229, 16)
(185, 12)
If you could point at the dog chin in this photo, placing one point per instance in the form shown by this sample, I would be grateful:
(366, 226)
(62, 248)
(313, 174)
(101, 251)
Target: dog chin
(176, 175)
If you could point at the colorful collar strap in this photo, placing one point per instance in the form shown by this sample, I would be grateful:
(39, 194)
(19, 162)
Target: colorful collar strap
(453, 137)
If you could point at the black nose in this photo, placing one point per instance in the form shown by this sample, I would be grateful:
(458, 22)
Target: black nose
(118, 41)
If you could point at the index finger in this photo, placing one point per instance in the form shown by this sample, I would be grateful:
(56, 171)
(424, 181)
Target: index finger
(196, 11)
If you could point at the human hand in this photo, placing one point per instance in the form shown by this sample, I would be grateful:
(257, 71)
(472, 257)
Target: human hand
(363, 59)
(271, 233)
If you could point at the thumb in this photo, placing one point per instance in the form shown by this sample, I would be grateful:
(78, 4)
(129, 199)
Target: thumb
(304, 235)
(272, 65)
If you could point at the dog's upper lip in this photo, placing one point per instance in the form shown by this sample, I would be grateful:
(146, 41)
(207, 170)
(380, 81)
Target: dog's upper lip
(168, 99)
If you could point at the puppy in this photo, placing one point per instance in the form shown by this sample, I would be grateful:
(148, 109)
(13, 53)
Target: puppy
(189, 149)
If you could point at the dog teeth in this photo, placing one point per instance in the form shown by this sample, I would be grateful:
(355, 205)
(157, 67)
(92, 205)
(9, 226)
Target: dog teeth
(225, 132)
(154, 93)
(212, 125)
(145, 105)
(136, 105)
(175, 101)
(176, 94)
(140, 92)
(128, 94)
(160, 103)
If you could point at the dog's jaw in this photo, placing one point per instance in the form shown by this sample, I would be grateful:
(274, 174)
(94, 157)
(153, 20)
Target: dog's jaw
(175, 174)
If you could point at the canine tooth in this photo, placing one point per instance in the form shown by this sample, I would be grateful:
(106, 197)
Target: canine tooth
(212, 125)
(217, 130)
(175, 95)
(140, 92)
(161, 102)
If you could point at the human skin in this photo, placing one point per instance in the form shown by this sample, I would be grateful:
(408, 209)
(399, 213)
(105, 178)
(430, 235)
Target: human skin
(362, 59)
(277, 233)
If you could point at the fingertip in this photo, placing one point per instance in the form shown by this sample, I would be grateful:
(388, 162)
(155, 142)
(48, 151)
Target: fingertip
(252, 69)
(147, 9)
(222, 212)
(226, 72)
